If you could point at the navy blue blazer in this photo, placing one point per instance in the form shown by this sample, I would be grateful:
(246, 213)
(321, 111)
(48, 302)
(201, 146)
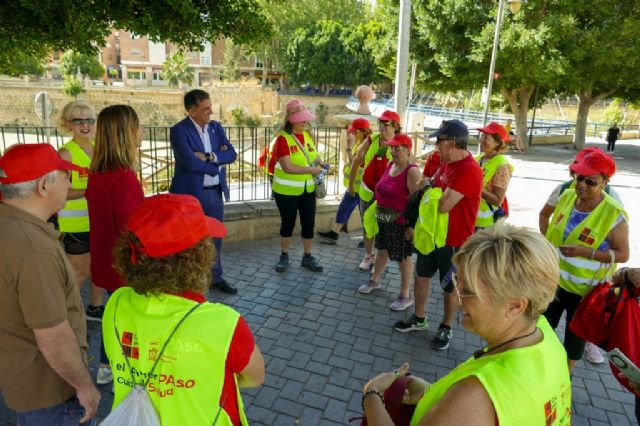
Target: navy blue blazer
(189, 172)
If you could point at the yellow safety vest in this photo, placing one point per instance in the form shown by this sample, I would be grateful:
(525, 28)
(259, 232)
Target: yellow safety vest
(370, 222)
(489, 168)
(187, 383)
(365, 193)
(347, 171)
(74, 217)
(294, 184)
(432, 226)
(528, 386)
(578, 274)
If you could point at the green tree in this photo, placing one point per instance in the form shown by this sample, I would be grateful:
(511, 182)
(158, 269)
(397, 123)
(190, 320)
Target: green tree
(72, 86)
(24, 64)
(329, 53)
(176, 70)
(72, 62)
(232, 56)
(38, 27)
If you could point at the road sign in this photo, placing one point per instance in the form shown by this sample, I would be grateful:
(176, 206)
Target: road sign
(43, 105)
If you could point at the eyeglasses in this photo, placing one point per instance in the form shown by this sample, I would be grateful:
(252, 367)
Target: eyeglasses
(586, 180)
(465, 293)
(438, 140)
(384, 123)
(81, 121)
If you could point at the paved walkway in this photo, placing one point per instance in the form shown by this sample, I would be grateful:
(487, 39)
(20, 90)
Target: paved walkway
(322, 340)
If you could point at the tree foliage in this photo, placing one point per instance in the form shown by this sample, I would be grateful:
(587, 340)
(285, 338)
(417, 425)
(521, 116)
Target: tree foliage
(176, 70)
(38, 27)
(330, 53)
(232, 56)
(72, 62)
(23, 64)
(72, 86)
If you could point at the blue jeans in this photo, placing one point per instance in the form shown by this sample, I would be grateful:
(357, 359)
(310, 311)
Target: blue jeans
(346, 207)
(68, 413)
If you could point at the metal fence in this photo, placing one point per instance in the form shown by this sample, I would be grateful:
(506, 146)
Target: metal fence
(247, 181)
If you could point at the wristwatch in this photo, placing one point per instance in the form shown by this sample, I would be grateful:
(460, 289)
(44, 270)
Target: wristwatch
(207, 156)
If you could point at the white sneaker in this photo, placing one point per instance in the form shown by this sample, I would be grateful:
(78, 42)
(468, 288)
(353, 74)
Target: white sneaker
(367, 262)
(593, 354)
(401, 303)
(104, 376)
(368, 287)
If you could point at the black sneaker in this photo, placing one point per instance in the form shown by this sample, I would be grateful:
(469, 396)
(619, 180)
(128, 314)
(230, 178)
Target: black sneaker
(412, 324)
(283, 263)
(441, 341)
(328, 237)
(94, 313)
(311, 263)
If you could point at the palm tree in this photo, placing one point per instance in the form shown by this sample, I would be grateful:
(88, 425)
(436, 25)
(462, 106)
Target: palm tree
(176, 70)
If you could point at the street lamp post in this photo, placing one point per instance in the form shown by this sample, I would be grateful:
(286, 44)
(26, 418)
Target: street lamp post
(514, 6)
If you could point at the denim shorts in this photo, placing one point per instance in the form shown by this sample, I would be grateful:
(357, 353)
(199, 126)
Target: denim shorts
(68, 413)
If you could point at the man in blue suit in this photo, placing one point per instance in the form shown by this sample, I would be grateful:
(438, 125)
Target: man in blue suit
(201, 149)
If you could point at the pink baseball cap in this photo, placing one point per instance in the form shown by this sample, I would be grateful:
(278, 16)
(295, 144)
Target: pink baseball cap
(298, 113)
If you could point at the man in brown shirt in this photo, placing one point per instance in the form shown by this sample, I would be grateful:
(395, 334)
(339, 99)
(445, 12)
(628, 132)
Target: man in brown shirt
(43, 345)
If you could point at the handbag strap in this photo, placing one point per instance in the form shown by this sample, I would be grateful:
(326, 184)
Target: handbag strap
(304, 151)
(164, 346)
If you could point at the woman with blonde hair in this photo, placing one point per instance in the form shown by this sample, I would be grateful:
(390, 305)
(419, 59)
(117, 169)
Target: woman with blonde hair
(113, 193)
(506, 277)
(78, 118)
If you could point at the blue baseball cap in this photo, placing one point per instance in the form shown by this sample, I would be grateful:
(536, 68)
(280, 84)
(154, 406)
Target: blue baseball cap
(451, 129)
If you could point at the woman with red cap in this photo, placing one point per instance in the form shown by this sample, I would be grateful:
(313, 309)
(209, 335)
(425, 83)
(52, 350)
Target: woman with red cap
(496, 174)
(590, 230)
(394, 240)
(373, 151)
(358, 131)
(297, 163)
(160, 332)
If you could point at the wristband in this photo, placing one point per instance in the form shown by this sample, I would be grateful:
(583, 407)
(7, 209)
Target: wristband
(593, 254)
(369, 392)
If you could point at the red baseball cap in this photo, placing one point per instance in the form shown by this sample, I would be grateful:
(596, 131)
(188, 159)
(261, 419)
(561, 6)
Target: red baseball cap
(400, 139)
(494, 128)
(358, 124)
(580, 155)
(595, 162)
(25, 162)
(167, 224)
(389, 115)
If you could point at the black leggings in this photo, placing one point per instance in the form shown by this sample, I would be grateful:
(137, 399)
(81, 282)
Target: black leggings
(289, 206)
(569, 302)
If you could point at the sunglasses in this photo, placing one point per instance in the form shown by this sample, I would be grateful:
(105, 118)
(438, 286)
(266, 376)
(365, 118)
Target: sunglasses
(438, 140)
(81, 121)
(465, 293)
(588, 181)
(384, 123)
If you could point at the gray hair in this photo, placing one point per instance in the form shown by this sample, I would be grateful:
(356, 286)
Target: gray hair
(461, 142)
(23, 189)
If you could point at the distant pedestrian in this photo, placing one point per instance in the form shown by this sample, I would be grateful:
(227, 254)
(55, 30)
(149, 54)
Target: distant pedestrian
(613, 134)
(43, 330)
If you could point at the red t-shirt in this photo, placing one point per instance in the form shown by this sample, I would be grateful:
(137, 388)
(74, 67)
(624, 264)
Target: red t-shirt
(111, 197)
(281, 147)
(238, 357)
(432, 164)
(465, 177)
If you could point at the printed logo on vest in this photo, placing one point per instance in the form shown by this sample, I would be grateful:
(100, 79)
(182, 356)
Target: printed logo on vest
(293, 149)
(130, 345)
(585, 236)
(559, 219)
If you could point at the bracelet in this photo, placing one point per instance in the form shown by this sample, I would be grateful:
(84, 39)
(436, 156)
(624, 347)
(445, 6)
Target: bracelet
(369, 392)
(593, 253)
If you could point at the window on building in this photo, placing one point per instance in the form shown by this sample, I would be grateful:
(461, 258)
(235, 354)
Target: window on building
(157, 76)
(205, 59)
(135, 36)
(136, 75)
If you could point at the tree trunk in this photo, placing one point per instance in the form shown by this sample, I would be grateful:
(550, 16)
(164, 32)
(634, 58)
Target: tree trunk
(519, 102)
(264, 74)
(586, 99)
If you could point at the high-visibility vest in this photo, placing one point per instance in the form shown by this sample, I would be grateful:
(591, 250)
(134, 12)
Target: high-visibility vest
(294, 184)
(370, 222)
(365, 193)
(74, 217)
(347, 171)
(528, 386)
(187, 383)
(579, 274)
(489, 168)
(432, 226)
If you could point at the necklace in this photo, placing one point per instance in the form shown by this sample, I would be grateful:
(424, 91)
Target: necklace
(480, 352)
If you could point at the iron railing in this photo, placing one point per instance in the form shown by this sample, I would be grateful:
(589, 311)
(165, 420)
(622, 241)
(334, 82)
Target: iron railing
(247, 181)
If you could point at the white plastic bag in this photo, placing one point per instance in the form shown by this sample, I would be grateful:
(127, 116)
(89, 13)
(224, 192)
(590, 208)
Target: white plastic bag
(135, 410)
